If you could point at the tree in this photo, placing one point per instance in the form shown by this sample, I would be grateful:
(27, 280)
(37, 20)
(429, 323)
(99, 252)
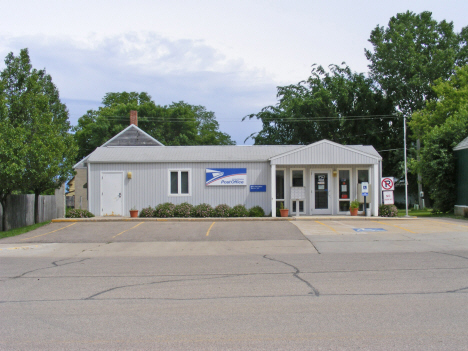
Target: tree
(176, 124)
(410, 55)
(441, 125)
(34, 110)
(11, 156)
(339, 105)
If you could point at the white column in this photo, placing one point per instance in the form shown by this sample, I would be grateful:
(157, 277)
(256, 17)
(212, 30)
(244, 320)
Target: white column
(273, 190)
(376, 190)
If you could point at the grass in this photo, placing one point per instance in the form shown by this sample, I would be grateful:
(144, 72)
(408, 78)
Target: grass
(427, 213)
(22, 230)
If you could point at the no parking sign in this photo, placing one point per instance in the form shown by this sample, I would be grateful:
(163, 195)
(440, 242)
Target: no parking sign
(388, 184)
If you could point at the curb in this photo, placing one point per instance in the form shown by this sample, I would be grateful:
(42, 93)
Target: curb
(233, 219)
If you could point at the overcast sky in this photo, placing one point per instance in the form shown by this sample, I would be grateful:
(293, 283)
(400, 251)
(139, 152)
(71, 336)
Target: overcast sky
(228, 56)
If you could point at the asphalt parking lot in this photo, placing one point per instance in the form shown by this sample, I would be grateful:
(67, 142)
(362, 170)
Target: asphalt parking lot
(105, 232)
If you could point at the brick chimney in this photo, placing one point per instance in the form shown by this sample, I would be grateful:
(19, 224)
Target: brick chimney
(134, 117)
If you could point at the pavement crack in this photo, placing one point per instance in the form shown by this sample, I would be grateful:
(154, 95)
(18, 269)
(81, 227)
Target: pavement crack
(54, 265)
(457, 290)
(296, 275)
(444, 253)
(157, 282)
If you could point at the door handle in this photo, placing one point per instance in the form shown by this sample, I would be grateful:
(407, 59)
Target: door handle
(120, 195)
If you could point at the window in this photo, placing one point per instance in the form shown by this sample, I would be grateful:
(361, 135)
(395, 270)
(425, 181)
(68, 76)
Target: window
(179, 182)
(301, 206)
(297, 178)
(363, 176)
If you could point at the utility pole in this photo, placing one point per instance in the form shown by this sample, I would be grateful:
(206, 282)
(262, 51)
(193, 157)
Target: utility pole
(406, 168)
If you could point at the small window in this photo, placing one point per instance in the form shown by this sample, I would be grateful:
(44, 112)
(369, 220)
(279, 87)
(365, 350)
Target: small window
(301, 206)
(298, 178)
(179, 182)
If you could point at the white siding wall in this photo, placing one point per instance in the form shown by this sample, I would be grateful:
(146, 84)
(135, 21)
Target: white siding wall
(149, 185)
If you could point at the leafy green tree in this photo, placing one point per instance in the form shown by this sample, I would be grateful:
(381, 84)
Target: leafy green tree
(409, 55)
(34, 110)
(11, 156)
(441, 125)
(339, 105)
(176, 124)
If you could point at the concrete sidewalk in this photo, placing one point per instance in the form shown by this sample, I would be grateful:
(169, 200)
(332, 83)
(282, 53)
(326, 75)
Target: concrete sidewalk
(230, 219)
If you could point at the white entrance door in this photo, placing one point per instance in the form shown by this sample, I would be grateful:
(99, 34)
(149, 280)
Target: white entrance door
(321, 195)
(111, 193)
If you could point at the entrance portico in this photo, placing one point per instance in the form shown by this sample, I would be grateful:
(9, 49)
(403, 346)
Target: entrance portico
(324, 177)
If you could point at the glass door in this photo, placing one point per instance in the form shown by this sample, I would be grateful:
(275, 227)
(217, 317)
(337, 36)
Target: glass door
(321, 193)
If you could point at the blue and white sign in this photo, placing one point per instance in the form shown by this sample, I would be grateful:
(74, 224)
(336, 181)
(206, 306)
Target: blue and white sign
(365, 188)
(226, 176)
(360, 230)
(258, 188)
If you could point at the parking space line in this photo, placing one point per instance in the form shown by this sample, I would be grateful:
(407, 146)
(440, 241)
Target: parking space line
(393, 225)
(211, 226)
(127, 230)
(53, 231)
(460, 225)
(326, 226)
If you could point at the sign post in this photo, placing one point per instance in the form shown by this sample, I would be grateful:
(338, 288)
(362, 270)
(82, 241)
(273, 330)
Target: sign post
(365, 193)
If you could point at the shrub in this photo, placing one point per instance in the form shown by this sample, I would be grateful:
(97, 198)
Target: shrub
(183, 210)
(147, 212)
(256, 211)
(222, 210)
(202, 210)
(239, 211)
(164, 210)
(388, 211)
(77, 213)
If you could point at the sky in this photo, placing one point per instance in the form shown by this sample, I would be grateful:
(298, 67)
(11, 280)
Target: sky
(229, 56)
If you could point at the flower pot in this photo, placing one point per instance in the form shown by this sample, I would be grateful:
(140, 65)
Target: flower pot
(284, 212)
(353, 211)
(134, 213)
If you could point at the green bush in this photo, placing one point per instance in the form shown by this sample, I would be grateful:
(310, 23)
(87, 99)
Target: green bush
(222, 210)
(238, 211)
(147, 212)
(202, 210)
(388, 211)
(77, 213)
(183, 210)
(164, 210)
(256, 211)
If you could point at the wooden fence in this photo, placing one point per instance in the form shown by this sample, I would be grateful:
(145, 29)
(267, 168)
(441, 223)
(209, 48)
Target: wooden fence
(20, 209)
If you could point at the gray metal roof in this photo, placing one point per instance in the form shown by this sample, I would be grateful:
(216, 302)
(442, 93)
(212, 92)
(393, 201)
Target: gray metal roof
(135, 154)
(463, 145)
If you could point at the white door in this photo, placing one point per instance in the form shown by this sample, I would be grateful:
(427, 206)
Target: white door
(111, 193)
(321, 195)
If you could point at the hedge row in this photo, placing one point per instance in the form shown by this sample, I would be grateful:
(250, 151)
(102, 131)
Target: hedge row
(184, 210)
(78, 213)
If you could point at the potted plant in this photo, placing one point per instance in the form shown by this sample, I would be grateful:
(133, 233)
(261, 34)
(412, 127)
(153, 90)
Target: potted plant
(283, 211)
(133, 212)
(354, 207)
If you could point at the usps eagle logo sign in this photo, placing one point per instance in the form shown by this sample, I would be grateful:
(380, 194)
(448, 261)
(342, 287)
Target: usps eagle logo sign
(226, 176)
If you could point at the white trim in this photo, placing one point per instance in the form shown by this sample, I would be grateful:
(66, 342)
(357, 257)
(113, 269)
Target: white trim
(327, 142)
(273, 190)
(338, 188)
(303, 207)
(123, 131)
(100, 190)
(179, 178)
(81, 161)
(90, 209)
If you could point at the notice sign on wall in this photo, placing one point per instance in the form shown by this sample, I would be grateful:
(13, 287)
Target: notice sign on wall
(258, 188)
(226, 176)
